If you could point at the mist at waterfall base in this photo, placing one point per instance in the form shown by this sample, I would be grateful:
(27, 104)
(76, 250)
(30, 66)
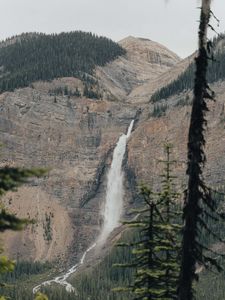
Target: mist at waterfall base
(111, 213)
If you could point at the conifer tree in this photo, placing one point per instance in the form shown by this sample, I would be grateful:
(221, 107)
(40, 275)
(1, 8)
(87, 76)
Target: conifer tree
(169, 230)
(156, 253)
(45, 57)
(10, 180)
(199, 204)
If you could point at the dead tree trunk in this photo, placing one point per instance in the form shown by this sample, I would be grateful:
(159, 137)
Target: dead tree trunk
(191, 250)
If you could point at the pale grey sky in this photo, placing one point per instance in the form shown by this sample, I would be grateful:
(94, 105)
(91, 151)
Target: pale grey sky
(172, 23)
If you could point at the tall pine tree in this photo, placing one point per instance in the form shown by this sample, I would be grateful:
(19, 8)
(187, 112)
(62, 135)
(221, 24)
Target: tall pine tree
(156, 253)
(199, 204)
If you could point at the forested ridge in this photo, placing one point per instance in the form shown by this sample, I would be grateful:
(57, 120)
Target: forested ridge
(94, 284)
(185, 81)
(37, 56)
(174, 248)
(97, 283)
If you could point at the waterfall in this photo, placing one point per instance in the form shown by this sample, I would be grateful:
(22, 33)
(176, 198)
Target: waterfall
(112, 210)
(114, 193)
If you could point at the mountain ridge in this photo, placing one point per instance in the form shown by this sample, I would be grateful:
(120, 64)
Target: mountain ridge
(75, 136)
(143, 62)
(31, 57)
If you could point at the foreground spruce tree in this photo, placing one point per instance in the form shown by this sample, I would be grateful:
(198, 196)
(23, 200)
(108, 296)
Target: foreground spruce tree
(156, 253)
(169, 229)
(10, 180)
(199, 204)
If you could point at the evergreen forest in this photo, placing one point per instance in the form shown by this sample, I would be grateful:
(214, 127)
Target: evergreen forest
(185, 81)
(37, 56)
(171, 244)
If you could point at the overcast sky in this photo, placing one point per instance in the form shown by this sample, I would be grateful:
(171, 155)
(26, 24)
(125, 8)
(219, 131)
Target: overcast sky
(170, 22)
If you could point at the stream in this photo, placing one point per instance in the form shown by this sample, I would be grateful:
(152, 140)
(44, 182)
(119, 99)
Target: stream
(111, 213)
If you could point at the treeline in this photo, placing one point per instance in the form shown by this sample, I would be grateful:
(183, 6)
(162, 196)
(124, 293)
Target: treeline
(183, 82)
(32, 57)
(23, 269)
(216, 71)
(147, 261)
(97, 282)
(18, 284)
(64, 91)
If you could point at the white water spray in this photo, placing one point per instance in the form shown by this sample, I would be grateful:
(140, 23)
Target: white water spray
(114, 194)
(112, 210)
(62, 279)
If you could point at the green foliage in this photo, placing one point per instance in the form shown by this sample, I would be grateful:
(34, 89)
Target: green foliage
(60, 91)
(41, 296)
(47, 227)
(90, 92)
(6, 265)
(9, 221)
(32, 57)
(10, 180)
(210, 286)
(156, 253)
(22, 270)
(159, 110)
(184, 101)
(185, 81)
(20, 281)
(96, 282)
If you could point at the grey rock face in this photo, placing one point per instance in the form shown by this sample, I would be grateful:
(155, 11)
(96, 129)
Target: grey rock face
(74, 137)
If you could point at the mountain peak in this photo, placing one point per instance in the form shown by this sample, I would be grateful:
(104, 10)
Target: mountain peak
(150, 51)
(133, 38)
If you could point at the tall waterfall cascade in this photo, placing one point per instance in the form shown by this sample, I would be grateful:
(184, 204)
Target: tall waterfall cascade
(115, 192)
(112, 211)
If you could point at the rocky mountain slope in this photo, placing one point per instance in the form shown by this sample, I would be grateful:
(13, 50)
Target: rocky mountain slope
(144, 61)
(146, 144)
(74, 137)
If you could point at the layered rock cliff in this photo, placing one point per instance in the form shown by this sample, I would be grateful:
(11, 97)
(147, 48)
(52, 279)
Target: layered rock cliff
(74, 137)
(144, 61)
